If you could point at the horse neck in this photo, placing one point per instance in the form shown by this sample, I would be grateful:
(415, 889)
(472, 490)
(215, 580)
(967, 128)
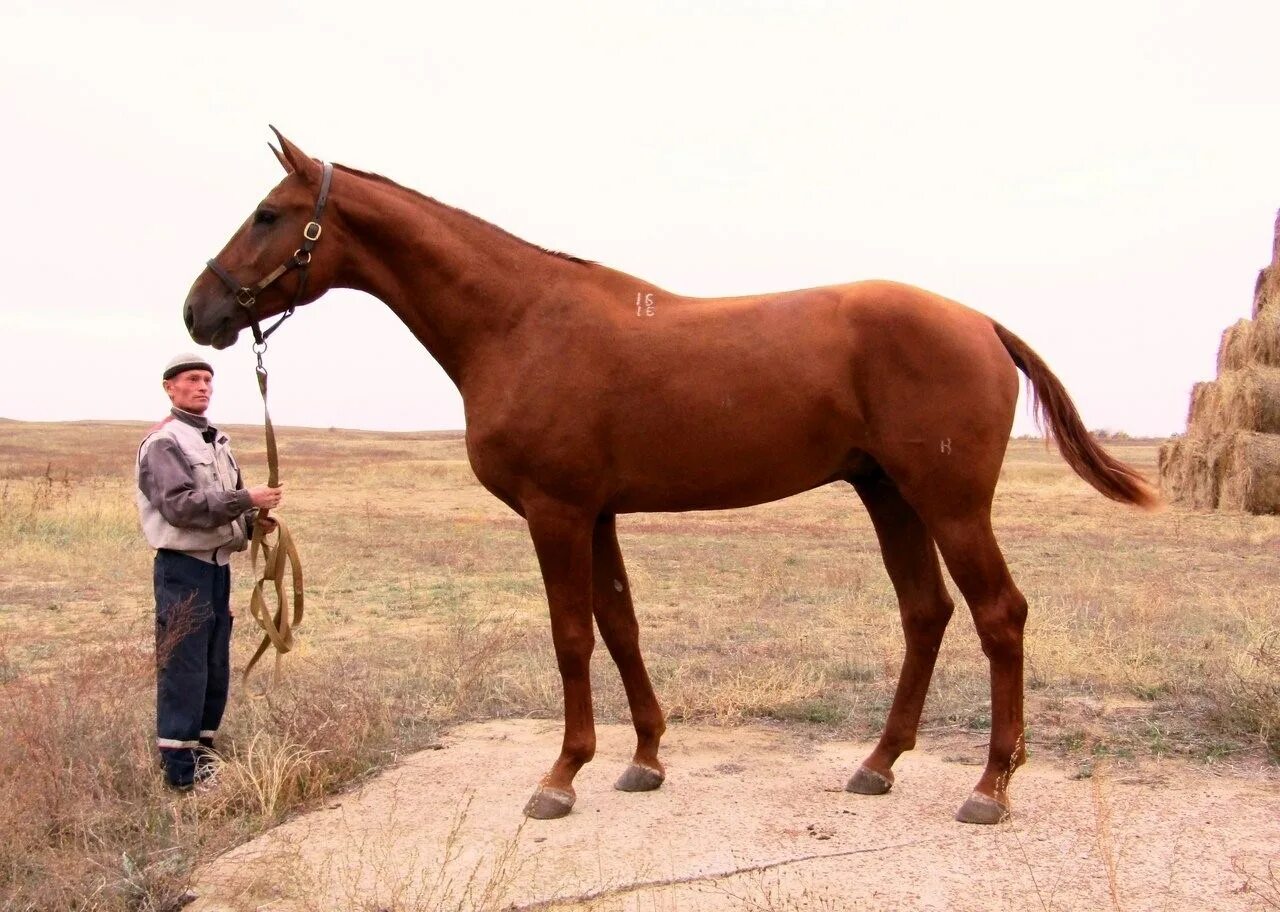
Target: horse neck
(459, 284)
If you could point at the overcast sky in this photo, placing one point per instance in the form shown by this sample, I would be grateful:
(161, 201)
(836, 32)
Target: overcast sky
(1101, 177)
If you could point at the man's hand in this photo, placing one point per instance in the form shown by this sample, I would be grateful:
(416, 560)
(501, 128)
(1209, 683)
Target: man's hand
(265, 497)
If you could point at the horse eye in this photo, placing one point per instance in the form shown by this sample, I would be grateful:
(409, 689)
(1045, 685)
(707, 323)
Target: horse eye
(264, 217)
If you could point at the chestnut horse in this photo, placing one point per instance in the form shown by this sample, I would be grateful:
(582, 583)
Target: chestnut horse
(589, 393)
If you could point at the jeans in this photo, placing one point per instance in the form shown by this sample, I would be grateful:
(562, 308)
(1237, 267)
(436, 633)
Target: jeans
(193, 659)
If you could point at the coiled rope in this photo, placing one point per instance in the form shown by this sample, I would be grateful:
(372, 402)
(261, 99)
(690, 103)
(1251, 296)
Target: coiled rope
(278, 559)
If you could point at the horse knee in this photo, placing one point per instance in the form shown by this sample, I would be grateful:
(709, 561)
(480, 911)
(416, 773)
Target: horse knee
(573, 651)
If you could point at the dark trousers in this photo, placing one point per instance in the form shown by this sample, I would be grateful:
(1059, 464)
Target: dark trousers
(193, 659)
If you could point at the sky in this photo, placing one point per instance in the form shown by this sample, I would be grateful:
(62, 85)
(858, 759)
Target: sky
(1101, 177)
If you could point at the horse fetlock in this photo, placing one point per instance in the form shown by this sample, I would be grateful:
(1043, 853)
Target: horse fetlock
(891, 748)
(648, 737)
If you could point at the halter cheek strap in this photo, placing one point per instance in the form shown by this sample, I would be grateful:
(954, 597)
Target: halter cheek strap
(247, 297)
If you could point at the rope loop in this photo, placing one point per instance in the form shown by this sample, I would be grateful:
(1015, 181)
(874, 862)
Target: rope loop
(279, 560)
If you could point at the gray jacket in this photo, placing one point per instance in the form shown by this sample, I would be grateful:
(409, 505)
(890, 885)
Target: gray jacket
(190, 496)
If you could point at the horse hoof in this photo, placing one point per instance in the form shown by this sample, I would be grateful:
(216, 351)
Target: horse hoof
(869, 782)
(982, 808)
(639, 778)
(549, 803)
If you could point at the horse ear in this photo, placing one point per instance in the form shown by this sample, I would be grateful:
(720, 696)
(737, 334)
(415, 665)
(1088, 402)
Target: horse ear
(295, 160)
(284, 162)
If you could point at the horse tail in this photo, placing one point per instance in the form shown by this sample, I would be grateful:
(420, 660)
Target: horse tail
(1056, 414)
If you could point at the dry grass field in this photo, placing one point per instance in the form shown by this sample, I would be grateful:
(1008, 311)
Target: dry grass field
(1150, 634)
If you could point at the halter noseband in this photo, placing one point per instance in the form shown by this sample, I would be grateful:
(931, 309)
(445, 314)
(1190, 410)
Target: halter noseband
(247, 297)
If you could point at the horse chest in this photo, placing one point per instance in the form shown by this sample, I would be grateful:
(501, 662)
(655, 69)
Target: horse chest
(513, 460)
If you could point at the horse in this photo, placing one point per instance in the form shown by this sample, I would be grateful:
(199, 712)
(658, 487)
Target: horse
(590, 393)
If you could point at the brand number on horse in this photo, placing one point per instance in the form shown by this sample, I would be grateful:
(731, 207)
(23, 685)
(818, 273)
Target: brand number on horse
(644, 304)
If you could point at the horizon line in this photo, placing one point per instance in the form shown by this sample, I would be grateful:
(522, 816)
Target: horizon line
(1112, 434)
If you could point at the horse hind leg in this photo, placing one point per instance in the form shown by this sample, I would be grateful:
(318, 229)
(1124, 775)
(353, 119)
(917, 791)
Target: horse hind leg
(999, 611)
(925, 606)
(616, 618)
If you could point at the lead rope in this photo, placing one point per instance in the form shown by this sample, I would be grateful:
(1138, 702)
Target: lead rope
(275, 558)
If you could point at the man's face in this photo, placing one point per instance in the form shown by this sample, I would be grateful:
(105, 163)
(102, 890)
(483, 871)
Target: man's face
(190, 390)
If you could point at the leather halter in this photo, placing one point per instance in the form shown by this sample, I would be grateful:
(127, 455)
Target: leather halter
(247, 296)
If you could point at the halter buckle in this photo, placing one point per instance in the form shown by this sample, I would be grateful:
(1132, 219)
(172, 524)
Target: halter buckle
(312, 231)
(245, 298)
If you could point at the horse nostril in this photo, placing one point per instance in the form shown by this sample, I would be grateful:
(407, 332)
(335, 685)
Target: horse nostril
(188, 317)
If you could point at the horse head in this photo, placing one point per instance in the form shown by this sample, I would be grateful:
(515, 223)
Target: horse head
(268, 266)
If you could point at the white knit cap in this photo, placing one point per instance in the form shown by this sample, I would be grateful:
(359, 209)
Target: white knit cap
(185, 362)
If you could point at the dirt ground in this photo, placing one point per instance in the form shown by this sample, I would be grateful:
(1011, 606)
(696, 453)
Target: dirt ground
(754, 818)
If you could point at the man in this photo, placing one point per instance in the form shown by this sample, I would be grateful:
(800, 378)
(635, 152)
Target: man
(195, 512)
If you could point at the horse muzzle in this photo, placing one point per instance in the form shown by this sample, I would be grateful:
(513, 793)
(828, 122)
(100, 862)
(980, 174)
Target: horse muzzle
(210, 319)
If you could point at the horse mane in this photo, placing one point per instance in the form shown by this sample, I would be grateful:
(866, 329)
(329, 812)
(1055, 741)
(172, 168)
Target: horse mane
(378, 178)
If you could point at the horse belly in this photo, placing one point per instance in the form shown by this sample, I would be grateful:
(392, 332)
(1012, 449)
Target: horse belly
(731, 456)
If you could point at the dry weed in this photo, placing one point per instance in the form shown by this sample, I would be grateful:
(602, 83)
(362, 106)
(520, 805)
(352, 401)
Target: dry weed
(1249, 699)
(1099, 791)
(268, 775)
(1261, 878)
(86, 820)
(86, 823)
(705, 690)
(380, 868)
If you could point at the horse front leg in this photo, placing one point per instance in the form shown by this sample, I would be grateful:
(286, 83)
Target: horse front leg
(616, 617)
(562, 539)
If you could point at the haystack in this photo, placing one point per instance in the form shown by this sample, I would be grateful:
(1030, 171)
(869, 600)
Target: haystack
(1230, 456)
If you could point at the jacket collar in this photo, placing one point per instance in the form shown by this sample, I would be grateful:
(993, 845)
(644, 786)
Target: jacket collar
(199, 422)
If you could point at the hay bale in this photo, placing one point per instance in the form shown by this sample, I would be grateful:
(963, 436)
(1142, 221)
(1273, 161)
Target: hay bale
(1247, 400)
(1202, 416)
(1188, 470)
(1264, 338)
(1249, 476)
(1206, 474)
(1164, 455)
(1235, 348)
(1171, 469)
(1275, 243)
(1259, 285)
